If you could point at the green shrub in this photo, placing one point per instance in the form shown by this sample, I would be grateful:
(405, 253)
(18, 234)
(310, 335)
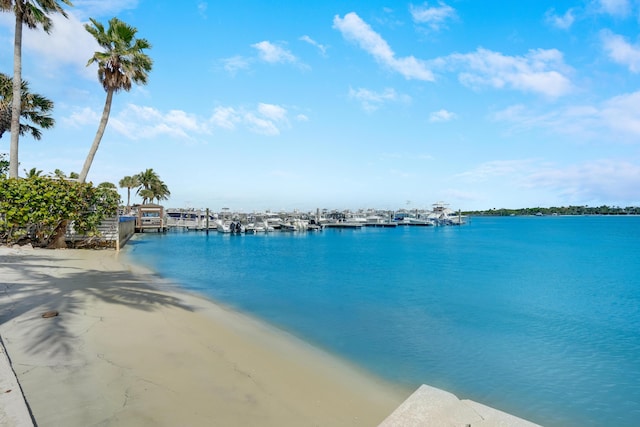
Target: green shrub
(36, 210)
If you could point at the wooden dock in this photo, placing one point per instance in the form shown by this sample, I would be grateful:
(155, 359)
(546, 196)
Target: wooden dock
(381, 224)
(343, 225)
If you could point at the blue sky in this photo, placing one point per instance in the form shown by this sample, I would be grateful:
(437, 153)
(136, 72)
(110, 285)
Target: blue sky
(256, 105)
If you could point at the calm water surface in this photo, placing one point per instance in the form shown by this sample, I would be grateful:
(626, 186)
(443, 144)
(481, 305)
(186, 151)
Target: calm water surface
(539, 317)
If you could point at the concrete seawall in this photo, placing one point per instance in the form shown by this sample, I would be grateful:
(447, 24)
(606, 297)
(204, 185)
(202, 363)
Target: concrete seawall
(430, 406)
(14, 411)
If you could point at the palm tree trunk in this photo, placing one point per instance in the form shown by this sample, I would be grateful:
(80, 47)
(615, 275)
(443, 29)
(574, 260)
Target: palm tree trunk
(98, 138)
(16, 108)
(58, 240)
(128, 200)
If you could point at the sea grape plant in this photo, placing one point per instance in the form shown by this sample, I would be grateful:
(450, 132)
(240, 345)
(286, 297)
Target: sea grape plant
(37, 210)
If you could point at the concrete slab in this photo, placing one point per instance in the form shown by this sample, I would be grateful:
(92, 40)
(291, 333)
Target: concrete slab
(430, 406)
(14, 411)
(494, 417)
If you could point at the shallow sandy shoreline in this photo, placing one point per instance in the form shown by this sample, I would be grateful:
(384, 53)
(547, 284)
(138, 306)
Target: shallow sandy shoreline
(130, 349)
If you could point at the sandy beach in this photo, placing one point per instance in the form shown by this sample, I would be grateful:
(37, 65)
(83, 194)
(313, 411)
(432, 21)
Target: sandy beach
(128, 348)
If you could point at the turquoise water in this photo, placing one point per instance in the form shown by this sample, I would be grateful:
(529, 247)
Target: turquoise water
(535, 316)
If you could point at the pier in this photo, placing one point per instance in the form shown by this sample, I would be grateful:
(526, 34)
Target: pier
(381, 224)
(343, 225)
(156, 218)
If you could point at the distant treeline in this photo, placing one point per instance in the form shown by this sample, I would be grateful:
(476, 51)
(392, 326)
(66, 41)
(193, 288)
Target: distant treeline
(564, 210)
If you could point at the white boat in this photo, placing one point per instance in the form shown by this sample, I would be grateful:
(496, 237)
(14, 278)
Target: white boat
(273, 223)
(442, 215)
(424, 222)
(287, 226)
(223, 226)
(295, 225)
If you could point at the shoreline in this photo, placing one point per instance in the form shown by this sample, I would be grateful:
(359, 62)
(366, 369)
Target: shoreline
(129, 348)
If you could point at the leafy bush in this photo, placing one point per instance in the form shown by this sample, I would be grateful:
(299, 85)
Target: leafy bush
(37, 210)
(4, 164)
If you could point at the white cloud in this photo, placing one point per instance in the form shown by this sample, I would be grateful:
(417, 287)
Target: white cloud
(622, 114)
(620, 51)
(272, 118)
(235, 63)
(540, 71)
(202, 8)
(371, 101)
(442, 116)
(267, 52)
(321, 48)
(355, 29)
(616, 119)
(68, 43)
(141, 122)
(617, 8)
(225, 118)
(598, 181)
(272, 112)
(497, 168)
(266, 119)
(82, 117)
(273, 54)
(595, 181)
(564, 22)
(523, 120)
(183, 120)
(261, 125)
(434, 16)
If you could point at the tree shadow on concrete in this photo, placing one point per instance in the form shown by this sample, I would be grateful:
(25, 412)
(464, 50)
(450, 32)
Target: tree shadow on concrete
(34, 283)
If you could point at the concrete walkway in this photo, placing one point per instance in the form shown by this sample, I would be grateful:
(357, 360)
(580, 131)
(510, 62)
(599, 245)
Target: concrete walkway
(427, 406)
(430, 406)
(14, 411)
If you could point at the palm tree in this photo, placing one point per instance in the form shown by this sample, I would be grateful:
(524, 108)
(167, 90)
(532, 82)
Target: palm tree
(109, 185)
(146, 194)
(33, 13)
(32, 173)
(122, 63)
(160, 191)
(146, 179)
(151, 187)
(34, 108)
(129, 182)
(59, 174)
